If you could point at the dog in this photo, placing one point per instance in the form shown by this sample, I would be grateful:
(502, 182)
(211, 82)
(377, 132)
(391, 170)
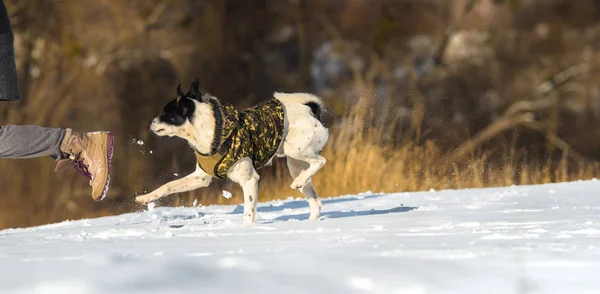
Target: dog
(233, 145)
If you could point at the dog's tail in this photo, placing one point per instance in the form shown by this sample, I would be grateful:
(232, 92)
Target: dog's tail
(316, 105)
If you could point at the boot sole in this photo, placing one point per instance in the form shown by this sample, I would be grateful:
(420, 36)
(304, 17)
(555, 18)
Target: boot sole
(109, 156)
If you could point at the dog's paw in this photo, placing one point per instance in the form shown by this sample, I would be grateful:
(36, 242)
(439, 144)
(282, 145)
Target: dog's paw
(145, 199)
(298, 183)
(314, 216)
(315, 208)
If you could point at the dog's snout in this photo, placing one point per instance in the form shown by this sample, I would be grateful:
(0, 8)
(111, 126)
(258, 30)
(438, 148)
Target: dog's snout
(152, 123)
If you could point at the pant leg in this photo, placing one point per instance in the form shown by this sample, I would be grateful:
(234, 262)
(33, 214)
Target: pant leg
(21, 142)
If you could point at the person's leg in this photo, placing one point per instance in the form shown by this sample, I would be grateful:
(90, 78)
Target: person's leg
(89, 153)
(31, 142)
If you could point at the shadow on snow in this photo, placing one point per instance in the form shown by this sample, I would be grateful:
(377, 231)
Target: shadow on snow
(301, 203)
(343, 214)
(296, 204)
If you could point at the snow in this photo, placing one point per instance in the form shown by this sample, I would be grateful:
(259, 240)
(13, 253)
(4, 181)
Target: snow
(519, 239)
(227, 194)
(139, 143)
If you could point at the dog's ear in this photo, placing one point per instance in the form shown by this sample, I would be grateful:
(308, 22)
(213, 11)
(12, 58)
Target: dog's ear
(179, 92)
(194, 91)
(195, 87)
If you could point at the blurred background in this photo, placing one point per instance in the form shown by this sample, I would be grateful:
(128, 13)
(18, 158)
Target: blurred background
(421, 94)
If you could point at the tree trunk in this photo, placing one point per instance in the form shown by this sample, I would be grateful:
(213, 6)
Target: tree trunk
(304, 44)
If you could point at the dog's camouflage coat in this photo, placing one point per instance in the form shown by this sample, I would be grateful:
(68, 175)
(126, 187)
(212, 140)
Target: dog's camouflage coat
(255, 133)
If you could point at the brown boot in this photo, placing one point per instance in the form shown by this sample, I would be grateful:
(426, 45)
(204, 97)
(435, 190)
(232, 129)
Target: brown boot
(91, 155)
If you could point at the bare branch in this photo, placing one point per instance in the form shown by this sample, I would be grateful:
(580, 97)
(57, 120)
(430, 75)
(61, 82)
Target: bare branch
(497, 127)
(520, 113)
(555, 140)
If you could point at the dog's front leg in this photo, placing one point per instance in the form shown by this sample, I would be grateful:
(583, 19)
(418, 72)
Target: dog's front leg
(244, 174)
(250, 189)
(195, 180)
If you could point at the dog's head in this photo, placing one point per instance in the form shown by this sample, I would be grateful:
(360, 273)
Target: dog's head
(188, 116)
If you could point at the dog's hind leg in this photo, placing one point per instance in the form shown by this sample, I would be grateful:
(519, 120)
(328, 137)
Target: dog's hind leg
(244, 174)
(306, 138)
(296, 167)
(314, 165)
(195, 180)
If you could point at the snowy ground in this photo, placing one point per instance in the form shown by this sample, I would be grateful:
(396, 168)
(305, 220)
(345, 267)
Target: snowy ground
(529, 239)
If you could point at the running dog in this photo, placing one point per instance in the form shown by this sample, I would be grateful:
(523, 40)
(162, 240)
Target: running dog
(232, 144)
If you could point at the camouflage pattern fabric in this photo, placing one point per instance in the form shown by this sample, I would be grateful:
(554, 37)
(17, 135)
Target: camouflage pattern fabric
(255, 133)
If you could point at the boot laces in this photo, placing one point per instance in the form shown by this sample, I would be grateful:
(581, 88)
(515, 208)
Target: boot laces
(78, 162)
(82, 168)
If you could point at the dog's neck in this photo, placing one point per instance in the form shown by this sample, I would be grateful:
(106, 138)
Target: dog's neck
(200, 132)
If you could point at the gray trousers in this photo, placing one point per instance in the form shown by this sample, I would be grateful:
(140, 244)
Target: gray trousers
(31, 142)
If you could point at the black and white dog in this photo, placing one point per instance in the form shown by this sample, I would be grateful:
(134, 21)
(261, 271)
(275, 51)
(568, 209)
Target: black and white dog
(192, 117)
